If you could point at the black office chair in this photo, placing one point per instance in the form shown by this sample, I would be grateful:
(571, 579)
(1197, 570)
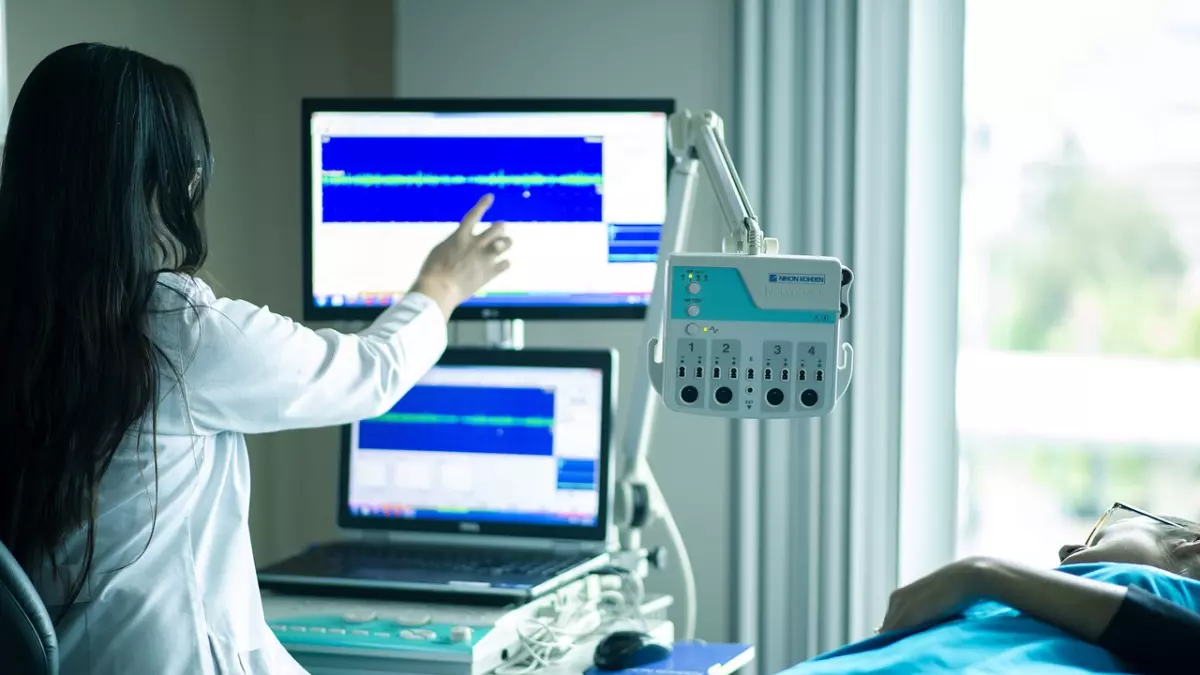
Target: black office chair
(28, 644)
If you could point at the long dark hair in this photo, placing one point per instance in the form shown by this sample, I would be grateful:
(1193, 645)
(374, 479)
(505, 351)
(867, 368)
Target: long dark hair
(106, 164)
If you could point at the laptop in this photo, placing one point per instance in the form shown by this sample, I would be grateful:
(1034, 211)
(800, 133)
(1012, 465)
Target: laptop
(491, 477)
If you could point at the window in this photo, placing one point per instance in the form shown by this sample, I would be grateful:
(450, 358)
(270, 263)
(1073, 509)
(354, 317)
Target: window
(1079, 366)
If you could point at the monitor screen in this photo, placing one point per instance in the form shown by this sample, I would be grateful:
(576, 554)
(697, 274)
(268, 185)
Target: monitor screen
(582, 186)
(486, 444)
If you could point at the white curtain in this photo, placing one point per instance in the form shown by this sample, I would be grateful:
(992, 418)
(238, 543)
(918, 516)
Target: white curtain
(849, 141)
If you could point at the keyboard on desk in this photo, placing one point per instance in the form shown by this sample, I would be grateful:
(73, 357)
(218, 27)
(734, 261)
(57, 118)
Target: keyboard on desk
(452, 560)
(424, 567)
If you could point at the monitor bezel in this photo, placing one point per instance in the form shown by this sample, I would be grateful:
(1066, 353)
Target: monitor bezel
(591, 359)
(309, 106)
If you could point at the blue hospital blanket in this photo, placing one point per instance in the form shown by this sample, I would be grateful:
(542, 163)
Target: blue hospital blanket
(991, 638)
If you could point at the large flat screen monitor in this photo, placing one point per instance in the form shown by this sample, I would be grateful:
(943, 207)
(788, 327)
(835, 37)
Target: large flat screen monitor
(582, 185)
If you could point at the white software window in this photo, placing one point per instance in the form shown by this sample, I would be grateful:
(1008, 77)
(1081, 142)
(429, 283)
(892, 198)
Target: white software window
(607, 185)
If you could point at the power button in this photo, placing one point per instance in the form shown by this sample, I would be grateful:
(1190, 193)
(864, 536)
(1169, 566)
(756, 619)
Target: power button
(692, 329)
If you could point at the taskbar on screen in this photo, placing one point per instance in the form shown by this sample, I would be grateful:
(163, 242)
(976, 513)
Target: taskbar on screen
(496, 300)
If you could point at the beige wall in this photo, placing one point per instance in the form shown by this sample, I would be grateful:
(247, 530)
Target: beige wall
(252, 60)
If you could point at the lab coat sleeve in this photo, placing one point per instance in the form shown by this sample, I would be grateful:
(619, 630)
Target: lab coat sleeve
(252, 371)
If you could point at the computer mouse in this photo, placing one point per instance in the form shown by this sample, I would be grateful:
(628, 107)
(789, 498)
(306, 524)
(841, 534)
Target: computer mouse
(628, 649)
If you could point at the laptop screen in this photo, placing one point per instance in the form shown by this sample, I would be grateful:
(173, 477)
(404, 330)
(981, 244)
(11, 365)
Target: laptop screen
(476, 446)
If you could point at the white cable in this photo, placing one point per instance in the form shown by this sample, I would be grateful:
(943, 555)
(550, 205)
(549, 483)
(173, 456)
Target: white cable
(637, 595)
(545, 643)
(663, 511)
(846, 364)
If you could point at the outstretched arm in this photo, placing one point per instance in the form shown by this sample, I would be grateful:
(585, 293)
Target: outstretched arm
(1083, 607)
(1149, 633)
(243, 368)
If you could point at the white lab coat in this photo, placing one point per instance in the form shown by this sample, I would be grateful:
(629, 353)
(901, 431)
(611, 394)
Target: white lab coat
(186, 600)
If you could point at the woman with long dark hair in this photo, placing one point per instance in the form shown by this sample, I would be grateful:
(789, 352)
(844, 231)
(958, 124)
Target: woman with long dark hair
(126, 385)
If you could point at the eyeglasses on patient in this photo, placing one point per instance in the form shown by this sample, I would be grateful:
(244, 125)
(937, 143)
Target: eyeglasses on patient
(1119, 512)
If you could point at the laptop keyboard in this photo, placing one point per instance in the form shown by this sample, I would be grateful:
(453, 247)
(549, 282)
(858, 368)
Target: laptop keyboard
(457, 560)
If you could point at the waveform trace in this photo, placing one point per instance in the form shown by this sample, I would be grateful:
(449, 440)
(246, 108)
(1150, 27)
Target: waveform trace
(498, 179)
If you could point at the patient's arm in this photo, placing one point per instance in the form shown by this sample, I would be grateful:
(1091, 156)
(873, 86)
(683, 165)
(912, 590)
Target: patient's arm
(1148, 632)
(1084, 607)
(1080, 606)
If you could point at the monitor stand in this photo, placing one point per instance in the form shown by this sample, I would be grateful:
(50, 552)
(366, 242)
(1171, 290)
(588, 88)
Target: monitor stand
(505, 334)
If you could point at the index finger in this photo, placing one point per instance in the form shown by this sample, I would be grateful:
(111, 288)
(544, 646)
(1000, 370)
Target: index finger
(467, 226)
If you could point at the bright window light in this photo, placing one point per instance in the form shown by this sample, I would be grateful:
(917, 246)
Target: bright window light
(1079, 372)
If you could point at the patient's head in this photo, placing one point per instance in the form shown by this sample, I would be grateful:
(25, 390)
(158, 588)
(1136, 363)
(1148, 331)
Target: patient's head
(1139, 539)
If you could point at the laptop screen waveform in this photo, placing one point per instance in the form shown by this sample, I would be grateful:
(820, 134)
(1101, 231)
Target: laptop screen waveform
(478, 420)
(466, 419)
(521, 445)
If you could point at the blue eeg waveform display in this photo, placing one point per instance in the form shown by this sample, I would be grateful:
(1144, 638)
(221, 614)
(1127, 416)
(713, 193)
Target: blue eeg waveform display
(476, 420)
(492, 420)
(427, 179)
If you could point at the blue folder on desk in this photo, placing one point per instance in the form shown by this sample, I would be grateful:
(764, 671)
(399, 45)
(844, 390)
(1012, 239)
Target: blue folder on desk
(693, 658)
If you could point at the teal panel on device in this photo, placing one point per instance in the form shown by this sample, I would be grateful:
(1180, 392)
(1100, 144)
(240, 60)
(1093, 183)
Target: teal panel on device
(374, 639)
(723, 296)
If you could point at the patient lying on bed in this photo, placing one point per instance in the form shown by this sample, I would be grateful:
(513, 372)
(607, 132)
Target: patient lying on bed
(1126, 601)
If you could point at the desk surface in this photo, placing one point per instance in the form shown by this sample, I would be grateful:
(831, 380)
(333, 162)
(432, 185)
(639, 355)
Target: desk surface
(355, 660)
(576, 663)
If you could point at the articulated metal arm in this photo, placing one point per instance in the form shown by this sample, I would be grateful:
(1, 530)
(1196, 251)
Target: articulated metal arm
(702, 137)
